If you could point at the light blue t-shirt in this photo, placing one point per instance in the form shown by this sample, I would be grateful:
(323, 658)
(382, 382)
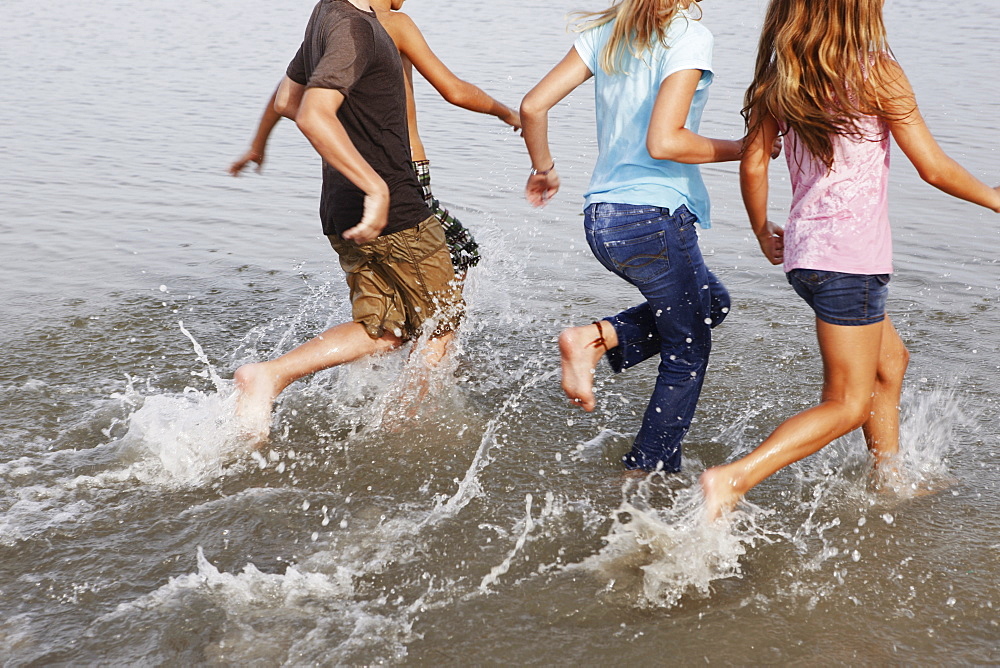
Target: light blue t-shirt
(625, 173)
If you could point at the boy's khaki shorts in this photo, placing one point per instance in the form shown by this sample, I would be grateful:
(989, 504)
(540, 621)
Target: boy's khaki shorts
(401, 280)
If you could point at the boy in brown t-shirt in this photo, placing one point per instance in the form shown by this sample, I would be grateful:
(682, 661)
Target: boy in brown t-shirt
(414, 53)
(345, 91)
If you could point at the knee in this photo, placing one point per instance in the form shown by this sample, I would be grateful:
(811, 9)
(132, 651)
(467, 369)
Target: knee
(387, 342)
(855, 412)
(892, 369)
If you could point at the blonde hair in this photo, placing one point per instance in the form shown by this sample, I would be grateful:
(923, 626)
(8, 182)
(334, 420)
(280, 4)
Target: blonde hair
(821, 65)
(637, 24)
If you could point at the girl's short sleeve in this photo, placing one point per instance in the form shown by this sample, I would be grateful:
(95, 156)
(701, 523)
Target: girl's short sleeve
(690, 50)
(586, 47)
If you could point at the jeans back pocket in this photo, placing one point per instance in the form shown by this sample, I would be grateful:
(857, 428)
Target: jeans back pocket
(641, 259)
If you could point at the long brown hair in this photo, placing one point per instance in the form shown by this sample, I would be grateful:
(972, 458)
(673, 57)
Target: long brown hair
(637, 24)
(820, 67)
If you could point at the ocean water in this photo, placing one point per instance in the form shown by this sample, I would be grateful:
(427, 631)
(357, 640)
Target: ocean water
(494, 527)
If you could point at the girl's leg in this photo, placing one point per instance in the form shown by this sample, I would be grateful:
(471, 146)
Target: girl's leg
(683, 301)
(851, 359)
(580, 349)
(882, 427)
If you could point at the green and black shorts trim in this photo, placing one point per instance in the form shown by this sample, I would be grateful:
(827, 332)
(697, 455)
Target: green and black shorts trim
(461, 244)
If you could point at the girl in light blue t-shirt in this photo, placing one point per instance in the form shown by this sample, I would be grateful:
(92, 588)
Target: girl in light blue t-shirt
(652, 64)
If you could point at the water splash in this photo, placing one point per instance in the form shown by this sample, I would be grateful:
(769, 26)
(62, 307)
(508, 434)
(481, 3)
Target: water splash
(657, 556)
(242, 609)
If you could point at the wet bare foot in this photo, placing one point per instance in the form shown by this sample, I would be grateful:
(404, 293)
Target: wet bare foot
(720, 494)
(257, 391)
(896, 481)
(580, 352)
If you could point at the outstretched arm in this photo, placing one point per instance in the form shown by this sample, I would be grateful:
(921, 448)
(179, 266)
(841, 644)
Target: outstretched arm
(554, 86)
(291, 96)
(756, 158)
(258, 146)
(916, 141)
(317, 119)
(412, 44)
(668, 139)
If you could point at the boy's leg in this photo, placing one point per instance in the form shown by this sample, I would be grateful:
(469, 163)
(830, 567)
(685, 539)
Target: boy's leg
(379, 325)
(260, 384)
(418, 267)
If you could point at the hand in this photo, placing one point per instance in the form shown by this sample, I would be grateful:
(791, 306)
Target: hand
(997, 209)
(541, 188)
(772, 243)
(252, 155)
(373, 220)
(513, 119)
(776, 147)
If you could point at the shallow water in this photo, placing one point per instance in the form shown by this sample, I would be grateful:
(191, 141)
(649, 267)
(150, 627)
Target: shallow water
(135, 528)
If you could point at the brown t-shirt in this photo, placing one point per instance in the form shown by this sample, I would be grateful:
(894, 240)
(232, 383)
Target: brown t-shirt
(347, 50)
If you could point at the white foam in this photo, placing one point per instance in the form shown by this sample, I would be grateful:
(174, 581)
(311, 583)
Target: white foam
(38, 510)
(657, 556)
(186, 439)
(248, 603)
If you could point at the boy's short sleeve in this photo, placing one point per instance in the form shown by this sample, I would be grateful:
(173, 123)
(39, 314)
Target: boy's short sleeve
(296, 70)
(691, 50)
(335, 59)
(586, 48)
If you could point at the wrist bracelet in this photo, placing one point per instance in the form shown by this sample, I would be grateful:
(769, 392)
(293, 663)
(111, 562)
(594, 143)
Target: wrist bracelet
(541, 172)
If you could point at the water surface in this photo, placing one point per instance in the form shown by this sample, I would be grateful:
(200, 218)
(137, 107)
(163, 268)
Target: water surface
(495, 528)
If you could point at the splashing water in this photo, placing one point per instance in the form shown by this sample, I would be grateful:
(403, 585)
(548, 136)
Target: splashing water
(252, 602)
(657, 556)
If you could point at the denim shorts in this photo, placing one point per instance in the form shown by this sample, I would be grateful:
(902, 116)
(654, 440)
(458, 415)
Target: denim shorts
(842, 299)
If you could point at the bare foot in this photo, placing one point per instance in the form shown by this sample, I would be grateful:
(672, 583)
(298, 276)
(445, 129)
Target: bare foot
(720, 493)
(257, 391)
(897, 481)
(580, 350)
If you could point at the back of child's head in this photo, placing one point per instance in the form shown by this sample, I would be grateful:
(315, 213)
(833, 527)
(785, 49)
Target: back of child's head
(638, 25)
(820, 65)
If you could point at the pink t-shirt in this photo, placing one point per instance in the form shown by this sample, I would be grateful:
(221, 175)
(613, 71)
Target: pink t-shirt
(839, 221)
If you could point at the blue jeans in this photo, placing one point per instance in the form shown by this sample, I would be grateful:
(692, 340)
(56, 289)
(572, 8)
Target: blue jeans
(658, 253)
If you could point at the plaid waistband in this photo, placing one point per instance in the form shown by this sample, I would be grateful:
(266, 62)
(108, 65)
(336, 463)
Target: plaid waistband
(423, 170)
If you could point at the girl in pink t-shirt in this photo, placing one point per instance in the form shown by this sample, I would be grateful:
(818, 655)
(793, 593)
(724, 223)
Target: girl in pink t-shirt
(832, 89)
